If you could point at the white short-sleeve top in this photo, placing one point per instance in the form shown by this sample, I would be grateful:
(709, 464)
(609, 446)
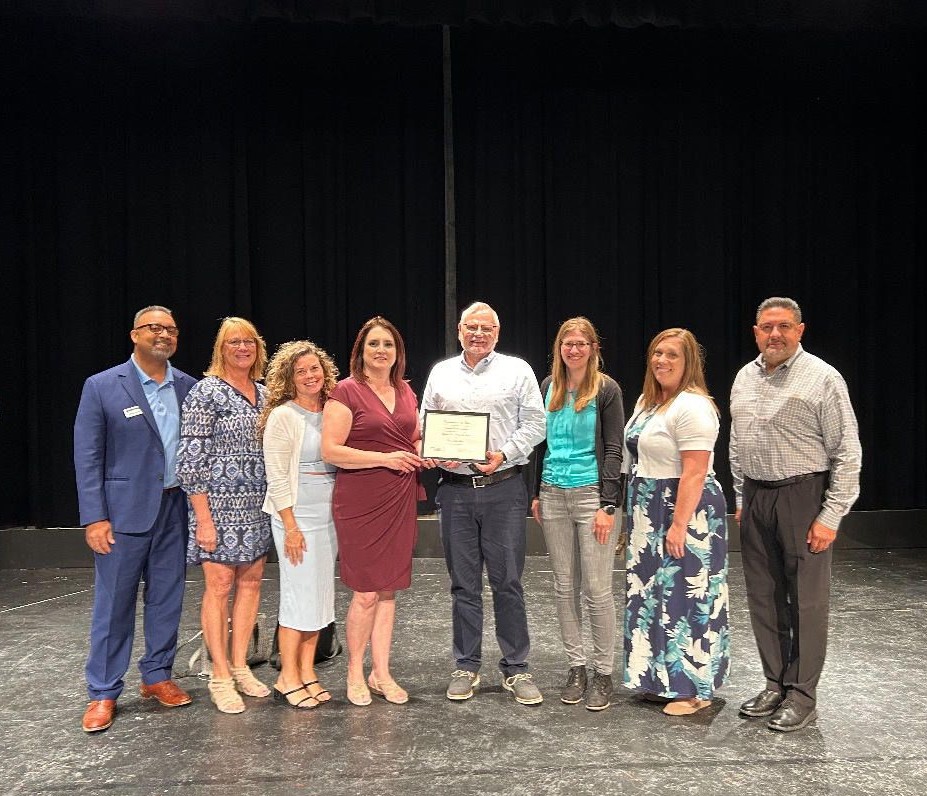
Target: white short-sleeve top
(689, 423)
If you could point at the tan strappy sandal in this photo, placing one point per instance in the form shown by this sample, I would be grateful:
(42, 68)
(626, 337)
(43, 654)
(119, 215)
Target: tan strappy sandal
(247, 683)
(223, 694)
(686, 707)
(390, 690)
(358, 694)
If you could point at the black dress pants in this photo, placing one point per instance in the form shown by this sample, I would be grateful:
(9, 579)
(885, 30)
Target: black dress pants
(788, 586)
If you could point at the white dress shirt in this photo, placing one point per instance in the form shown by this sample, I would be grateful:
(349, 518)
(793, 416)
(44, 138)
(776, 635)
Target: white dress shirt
(506, 387)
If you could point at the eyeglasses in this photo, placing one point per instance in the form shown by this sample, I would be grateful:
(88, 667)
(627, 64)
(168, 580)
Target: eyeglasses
(582, 346)
(248, 342)
(479, 328)
(783, 328)
(158, 328)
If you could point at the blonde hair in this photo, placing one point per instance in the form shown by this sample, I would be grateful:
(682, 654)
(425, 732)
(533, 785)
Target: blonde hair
(693, 373)
(226, 329)
(280, 386)
(592, 380)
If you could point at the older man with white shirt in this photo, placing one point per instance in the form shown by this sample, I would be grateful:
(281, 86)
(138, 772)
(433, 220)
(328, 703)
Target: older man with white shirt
(482, 510)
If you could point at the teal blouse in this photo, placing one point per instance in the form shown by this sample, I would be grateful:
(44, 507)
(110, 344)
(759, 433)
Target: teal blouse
(570, 458)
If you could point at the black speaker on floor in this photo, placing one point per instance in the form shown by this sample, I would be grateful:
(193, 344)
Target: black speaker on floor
(327, 648)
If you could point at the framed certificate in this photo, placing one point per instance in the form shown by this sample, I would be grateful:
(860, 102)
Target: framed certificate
(455, 436)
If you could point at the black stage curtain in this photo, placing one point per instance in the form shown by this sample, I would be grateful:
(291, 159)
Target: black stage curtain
(294, 174)
(290, 175)
(817, 14)
(657, 178)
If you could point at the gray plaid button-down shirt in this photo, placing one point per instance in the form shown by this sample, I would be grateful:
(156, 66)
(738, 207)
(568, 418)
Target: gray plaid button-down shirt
(796, 420)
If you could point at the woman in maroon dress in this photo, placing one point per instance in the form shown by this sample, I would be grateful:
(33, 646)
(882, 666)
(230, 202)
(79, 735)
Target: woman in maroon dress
(370, 431)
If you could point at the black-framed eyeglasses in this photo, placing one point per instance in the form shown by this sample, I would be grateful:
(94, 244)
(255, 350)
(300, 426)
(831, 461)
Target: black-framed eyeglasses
(579, 346)
(158, 328)
(480, 328)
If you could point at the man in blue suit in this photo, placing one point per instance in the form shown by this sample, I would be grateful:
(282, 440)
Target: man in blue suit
(125, 450)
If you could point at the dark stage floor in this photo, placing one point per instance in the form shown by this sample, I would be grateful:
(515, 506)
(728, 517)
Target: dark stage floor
(871, 736)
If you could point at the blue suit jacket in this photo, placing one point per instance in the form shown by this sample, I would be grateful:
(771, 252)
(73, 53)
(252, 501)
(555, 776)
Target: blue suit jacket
(119, 460)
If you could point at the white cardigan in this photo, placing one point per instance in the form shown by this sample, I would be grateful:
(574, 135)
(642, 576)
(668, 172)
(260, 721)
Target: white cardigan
(283, 443)
(689, 423)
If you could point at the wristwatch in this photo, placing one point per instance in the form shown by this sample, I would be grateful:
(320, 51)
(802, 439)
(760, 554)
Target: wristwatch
(609, 508)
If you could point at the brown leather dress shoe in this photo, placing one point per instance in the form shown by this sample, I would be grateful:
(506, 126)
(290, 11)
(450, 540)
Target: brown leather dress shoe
(167, 692)
(99, 715)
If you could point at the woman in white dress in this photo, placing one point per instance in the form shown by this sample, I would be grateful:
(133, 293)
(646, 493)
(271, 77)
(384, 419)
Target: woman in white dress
(299, 489)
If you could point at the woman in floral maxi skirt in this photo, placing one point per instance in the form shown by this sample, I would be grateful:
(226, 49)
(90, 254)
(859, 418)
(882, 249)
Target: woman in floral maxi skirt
(676, 637)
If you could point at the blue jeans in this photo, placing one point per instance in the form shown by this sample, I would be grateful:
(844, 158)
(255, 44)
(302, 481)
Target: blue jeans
(582, 571)
(486, 525)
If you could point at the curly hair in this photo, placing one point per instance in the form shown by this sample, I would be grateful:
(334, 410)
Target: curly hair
(279, 380)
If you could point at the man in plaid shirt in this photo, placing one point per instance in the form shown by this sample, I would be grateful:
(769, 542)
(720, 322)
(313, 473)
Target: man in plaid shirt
(795, 457)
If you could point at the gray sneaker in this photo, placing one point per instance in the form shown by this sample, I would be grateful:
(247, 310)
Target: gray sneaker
(599, 695)
(572, 692)
(462, 684)
(523, 687)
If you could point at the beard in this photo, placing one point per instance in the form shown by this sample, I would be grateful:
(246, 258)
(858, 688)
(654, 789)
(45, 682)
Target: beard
(162, 352)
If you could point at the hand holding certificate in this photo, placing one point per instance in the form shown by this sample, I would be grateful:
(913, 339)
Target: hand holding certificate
(455, 436)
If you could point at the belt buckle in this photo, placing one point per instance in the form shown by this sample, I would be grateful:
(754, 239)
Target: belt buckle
(475, 484)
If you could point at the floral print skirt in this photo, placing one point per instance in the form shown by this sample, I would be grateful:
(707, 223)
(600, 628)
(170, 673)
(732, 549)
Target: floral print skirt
(676, 635)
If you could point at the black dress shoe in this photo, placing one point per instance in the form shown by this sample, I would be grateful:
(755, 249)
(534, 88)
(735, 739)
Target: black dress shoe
(763, 704)
(791, 716)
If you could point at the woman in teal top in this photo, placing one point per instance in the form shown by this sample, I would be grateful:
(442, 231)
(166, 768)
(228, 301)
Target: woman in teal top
(578, 492)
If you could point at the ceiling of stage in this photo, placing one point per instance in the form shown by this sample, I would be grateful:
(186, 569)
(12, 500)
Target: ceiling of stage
(801, 14)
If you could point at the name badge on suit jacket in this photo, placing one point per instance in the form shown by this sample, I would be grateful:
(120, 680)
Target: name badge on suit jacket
(132, 411)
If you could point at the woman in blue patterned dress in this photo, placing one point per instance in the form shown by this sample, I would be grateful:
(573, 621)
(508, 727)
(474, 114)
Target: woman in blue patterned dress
(220, 465)
(676, 637)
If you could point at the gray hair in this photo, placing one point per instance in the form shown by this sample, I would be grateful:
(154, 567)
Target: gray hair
(479, 306)
(779, 301)
(151, 308)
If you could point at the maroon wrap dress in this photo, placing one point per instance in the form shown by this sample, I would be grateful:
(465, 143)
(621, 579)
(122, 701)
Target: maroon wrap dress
(375, 508)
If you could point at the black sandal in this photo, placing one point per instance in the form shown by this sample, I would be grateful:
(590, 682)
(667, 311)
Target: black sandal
(319, 693)
(282, 698)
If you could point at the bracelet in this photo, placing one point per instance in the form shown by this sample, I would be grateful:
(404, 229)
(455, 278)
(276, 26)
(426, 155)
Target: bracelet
(291, 530)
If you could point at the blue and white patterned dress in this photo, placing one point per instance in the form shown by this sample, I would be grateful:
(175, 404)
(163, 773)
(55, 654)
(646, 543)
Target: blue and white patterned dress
(676, 635)
(220, 455)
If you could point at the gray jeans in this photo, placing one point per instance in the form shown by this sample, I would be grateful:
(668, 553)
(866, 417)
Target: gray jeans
(582, 572)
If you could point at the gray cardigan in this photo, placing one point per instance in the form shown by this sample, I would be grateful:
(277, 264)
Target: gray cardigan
(609, 442)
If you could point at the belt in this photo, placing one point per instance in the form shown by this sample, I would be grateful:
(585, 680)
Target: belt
(171, 489)
(479, 481)
(795, 479)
